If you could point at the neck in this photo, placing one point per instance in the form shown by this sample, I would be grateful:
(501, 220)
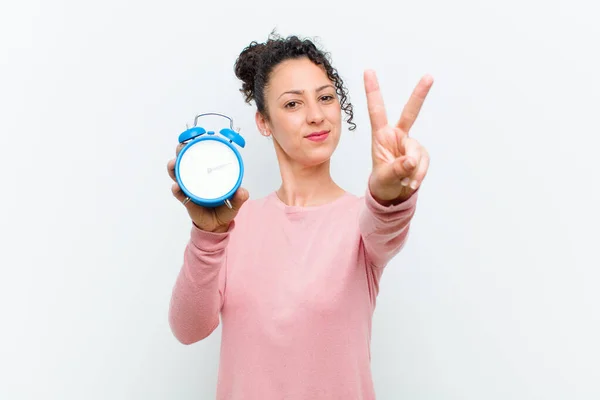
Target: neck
(306, 186)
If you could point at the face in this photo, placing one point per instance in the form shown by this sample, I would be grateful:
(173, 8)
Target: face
(304, 112)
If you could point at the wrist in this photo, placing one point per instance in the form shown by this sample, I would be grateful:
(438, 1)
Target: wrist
(218, 229)
(221, 229)
(389, 203)
(388, 198)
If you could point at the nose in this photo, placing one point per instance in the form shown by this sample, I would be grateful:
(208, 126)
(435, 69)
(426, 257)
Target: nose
(314, 114)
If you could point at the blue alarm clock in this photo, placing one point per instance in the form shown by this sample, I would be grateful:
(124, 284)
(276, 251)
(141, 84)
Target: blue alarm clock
(209, 168)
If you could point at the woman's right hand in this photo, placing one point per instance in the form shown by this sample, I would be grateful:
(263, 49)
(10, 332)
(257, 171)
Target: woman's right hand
(207, 219)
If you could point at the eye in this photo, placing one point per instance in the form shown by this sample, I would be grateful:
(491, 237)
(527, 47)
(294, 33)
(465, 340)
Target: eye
(291, 104)
(327, 98)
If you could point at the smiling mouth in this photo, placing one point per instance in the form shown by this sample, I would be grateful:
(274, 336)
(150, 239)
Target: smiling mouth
(317, 135)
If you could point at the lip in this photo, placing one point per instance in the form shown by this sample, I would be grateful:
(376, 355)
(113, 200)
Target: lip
(318, 136)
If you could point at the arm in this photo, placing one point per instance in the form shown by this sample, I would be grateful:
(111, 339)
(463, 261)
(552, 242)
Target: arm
(384, 228)
(400, 164)
(198, 292)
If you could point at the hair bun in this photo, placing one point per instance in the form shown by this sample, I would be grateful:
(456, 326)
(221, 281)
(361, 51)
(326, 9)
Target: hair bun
(256, 61)
(247, 66)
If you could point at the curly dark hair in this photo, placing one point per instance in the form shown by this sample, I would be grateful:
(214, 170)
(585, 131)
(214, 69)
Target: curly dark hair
(257, 60)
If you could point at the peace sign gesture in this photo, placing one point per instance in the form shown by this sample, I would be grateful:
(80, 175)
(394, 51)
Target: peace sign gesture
(399, 162)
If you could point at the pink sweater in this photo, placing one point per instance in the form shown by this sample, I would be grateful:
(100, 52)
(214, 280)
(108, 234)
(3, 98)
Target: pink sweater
(295, 288)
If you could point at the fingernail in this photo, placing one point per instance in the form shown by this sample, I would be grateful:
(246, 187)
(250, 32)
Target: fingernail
(414, 184)
(405, 181)
(408, 163)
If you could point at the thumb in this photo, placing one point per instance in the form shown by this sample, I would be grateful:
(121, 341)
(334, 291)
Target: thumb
(404, 166)
(239, 198)
(390, 173)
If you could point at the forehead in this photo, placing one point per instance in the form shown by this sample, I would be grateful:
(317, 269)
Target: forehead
(297, 74)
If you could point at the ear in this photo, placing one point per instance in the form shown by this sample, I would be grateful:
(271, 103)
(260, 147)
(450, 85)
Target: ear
(262, 125)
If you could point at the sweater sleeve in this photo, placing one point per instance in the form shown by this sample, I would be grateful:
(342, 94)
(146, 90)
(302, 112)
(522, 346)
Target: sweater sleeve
(384, 229)
(197, 296)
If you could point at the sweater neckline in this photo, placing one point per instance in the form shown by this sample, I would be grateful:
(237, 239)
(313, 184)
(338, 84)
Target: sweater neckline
(296, 209)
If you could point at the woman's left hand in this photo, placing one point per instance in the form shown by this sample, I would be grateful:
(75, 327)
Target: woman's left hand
(400, 163)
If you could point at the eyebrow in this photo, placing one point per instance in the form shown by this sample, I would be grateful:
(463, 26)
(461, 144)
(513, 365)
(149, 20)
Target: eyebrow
(302, 91)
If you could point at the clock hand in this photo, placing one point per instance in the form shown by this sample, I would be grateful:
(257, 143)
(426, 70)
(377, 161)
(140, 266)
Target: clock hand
(217, 167)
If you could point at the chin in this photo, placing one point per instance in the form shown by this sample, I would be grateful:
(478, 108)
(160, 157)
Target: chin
(318, 156)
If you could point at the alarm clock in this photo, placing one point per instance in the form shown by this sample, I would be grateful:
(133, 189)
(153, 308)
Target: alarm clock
(209, 168)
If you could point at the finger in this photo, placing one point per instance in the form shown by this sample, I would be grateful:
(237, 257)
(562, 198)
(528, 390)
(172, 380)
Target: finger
(239, 198)
(412, 151)
(178, 193)
(178, 149)
(406, 165)
(224, 213)
(171, 169)
(404, 168)
(415, 103)
(419, 175)
(375, 103)
(423, 167)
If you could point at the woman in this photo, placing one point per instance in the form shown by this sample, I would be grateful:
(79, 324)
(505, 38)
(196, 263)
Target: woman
(295, 275)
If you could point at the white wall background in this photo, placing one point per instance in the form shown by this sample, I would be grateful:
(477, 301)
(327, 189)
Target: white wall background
(496, 295)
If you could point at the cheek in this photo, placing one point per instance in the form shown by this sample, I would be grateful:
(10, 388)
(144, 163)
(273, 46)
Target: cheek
(335, 119)
(287, 132)
(334, 114)
(289, 125)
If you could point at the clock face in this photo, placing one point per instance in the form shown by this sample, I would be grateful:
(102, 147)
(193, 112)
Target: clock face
(209, 169)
